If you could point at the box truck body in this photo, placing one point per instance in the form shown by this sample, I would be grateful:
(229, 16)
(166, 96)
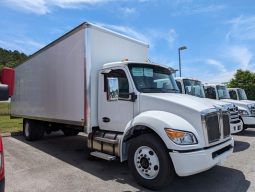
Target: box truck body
(59, 83)
(80, 82)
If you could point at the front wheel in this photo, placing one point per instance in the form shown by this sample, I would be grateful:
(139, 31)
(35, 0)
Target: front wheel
(150, 162)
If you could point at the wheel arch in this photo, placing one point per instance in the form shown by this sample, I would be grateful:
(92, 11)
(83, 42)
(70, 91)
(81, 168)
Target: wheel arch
(152, 122)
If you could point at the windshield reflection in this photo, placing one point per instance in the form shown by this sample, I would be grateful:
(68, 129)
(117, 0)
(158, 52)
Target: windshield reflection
(222, 92)
(152, 79)
(194, 87)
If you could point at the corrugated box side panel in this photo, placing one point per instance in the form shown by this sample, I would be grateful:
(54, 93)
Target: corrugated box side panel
(50, 85)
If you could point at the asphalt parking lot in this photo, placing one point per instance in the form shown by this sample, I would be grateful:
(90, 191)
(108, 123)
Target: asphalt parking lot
(60, 163)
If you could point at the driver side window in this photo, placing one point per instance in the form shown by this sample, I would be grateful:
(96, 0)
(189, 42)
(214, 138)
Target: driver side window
(123, 82)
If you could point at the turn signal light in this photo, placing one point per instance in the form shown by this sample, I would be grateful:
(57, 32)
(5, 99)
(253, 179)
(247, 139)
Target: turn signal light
(173, 134)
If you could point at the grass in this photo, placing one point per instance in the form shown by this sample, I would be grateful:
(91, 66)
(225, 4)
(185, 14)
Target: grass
(7, 124)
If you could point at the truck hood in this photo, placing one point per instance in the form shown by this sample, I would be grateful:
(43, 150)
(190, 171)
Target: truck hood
(180, 100)
(187, 107)
(248, 101)
(239, 103)
(218, 102)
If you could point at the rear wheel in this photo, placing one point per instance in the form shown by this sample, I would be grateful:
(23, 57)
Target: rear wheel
(150, 162)
(32, 130)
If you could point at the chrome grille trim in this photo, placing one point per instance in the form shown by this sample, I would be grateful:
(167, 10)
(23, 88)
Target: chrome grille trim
(219, 113)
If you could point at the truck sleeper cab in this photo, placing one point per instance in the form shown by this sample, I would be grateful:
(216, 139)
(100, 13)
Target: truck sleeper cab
(126, 115)
(246, 110)
(194, 87)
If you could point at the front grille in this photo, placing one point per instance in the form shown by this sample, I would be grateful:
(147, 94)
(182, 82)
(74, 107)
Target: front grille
(253, 111)
(234, 117)
(226, 125)
(213, 128)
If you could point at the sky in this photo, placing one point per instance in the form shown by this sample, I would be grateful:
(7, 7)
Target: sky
(219, 34)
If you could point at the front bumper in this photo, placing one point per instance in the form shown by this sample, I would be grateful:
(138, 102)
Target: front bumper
(249, 121)
(190, 163)
(236, 127)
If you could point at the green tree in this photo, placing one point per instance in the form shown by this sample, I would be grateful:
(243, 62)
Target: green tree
(11, 58)
(244, 79)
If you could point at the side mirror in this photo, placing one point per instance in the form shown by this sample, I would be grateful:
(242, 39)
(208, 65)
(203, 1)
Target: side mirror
(113, 89)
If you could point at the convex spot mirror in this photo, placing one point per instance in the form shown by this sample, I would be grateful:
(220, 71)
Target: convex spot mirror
(113, 89)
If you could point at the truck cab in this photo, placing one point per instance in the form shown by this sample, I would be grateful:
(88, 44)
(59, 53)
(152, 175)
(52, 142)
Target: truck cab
(246, 110)
(149, 118)
(239, 94)
(194, 87)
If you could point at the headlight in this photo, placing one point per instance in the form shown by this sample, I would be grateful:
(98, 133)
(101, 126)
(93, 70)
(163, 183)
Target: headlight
(181, 137)
(242, 112)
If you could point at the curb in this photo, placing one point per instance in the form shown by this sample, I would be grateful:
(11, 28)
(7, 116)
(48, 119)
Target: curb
(11, 134)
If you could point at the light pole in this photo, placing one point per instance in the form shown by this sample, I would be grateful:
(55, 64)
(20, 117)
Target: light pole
(179, 51)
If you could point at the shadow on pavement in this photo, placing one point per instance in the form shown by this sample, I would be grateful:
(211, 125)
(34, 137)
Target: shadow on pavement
(72, 150)
(241, 146)
(248, 132)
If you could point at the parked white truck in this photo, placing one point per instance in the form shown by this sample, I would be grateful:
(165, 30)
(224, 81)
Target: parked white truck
(73, 84)
(194, 87)
(239, 94)
(246, 110)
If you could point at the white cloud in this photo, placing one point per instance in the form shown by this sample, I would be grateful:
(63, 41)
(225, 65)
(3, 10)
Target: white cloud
(35, 6)
(127, 10)
(171, 37)
(42, 7)
(21, 43)
(187, 7)
(223, 77)
(220, 67)
(242, 28)
(127, 31)
(241, 55)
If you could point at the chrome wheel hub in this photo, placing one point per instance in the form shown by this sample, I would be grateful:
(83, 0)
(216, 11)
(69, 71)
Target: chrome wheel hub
(146, 162)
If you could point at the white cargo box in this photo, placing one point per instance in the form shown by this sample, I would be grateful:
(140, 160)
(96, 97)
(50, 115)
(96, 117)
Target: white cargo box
(59, 82)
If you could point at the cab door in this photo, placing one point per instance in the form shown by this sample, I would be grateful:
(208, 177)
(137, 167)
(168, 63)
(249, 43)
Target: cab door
(113, 115)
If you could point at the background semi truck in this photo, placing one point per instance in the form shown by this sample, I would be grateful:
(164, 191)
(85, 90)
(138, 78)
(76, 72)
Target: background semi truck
(194, 87)
(239, 94)
(80, 82)
(246, 109)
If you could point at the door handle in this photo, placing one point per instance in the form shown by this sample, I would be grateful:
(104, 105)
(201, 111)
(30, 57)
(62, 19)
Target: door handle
(106, 119)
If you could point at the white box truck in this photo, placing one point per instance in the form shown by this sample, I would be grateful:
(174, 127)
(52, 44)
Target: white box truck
(246, 109)
(195, 88)
(80, 82)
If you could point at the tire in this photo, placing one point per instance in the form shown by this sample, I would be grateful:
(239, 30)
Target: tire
(244, 126)
(32, 130)
(149, 162)
(70, 132)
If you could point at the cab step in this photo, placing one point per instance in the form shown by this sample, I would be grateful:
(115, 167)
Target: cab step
(103, 155)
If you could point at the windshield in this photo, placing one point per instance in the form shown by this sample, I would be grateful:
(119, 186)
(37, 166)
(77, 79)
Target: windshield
(222, 92)
(241, 94)
(152, 79)
(193, 87)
